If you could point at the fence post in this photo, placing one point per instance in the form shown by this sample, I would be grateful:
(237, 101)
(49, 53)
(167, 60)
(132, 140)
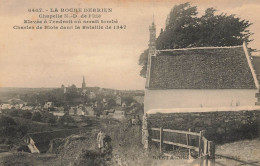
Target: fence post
(205, 162)
(188, 143)
(200, 147)
(211, 150)
(161, 139)
(205, 149)
(145, 133)
(205, 143)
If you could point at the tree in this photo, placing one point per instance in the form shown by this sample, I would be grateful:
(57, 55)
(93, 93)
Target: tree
(37, 116)
(185, 29)
(128, 100)
(72, 95)
(26, 114)
(51, 120)
(13, 112)
(8, 127)
(7, 121)
(222, 30)
(143, 59)
(46, 116)
(180, 27)
(111, 103)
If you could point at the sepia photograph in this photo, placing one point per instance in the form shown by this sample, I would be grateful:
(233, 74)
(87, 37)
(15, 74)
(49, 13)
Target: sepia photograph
(129, 83)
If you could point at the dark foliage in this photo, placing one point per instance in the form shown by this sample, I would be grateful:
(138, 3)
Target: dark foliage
(9, 128)
(66, 120)
(37, 116)
(26, 114)
(185, 29)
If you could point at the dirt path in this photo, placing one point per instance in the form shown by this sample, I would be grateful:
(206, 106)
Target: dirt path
(246, 152)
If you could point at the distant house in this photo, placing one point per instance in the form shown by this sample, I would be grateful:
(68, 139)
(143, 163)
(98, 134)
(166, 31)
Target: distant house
(38, 107)
(48, 105)
(124, 104)
(80, 111)
(27, 108)
(98, 106)
(18, 106)
(119, 114)
(118, 100)
(116, 113)
(36, 110)
(92, 95)
(139, 99)
(111, 111)
(73, 111)
(59, 114)
(63, 88)
(108, 113)
(6, 106)
(90, 111)
(58, 111)
(199, 77)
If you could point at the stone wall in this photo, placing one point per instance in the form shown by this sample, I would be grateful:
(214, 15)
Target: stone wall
(220, 127)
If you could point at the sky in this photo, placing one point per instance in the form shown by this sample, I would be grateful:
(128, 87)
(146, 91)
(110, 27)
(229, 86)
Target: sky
(107, 58)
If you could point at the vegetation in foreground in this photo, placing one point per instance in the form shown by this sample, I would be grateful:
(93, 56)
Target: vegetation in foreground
(77, 150)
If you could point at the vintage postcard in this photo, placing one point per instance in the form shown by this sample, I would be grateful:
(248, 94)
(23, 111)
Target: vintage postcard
(129, 83)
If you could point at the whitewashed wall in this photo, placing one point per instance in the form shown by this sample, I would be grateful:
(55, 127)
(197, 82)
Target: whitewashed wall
(179, 98)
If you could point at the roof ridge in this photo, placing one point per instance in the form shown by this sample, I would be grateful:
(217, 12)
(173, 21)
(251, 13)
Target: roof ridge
(197, 48)
(250, 64)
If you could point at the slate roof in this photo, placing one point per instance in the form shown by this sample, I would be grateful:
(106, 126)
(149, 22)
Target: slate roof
(201, 68)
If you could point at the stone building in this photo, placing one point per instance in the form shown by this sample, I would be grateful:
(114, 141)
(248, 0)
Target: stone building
(118, 100)
(199, 77)
(48, 105)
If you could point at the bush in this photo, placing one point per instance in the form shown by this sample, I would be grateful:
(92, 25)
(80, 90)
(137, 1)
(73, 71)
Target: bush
(26, 114)
(36, 116)
(13, 112)
(6, 121)
(51, 120)
(8, 127)
(66, 120)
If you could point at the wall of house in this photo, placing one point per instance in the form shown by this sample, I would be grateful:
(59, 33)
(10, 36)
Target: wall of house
(219, 127)
(181, 98)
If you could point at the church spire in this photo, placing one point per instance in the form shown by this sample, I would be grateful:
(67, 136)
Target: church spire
(152, 50)
(83, 83)
(152, 30)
